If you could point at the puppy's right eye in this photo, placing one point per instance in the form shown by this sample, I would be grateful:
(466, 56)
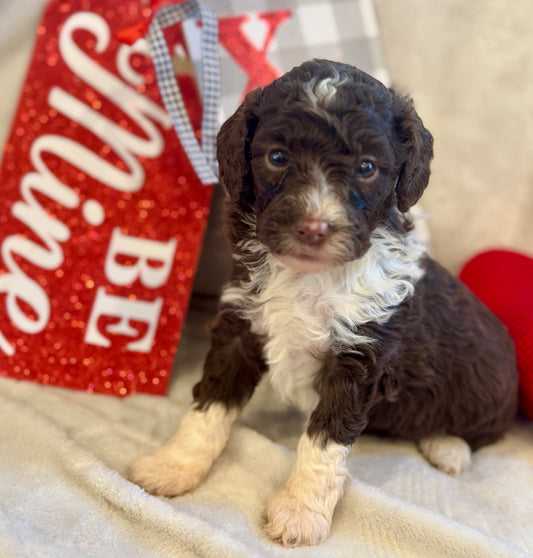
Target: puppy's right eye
(367, 169)
(278, 158)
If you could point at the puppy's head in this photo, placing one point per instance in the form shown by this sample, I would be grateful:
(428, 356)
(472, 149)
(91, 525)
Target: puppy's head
(321, 157)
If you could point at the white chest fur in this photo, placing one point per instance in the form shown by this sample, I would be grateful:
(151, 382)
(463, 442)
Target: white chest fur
(299, 314)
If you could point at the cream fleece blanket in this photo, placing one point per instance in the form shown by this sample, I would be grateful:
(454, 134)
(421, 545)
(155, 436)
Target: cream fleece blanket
(63, 492)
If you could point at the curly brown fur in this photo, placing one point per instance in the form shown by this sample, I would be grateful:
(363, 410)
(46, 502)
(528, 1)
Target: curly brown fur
(420, 378)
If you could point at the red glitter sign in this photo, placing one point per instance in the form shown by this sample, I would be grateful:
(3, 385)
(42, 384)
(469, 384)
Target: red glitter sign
(102, 216)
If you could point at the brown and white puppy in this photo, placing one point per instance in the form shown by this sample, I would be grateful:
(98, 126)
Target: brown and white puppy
(333, 295)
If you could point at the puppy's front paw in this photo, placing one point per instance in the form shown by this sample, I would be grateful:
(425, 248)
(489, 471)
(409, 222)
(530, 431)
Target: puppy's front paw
(447, 453)
(165, 474)
(292, 523)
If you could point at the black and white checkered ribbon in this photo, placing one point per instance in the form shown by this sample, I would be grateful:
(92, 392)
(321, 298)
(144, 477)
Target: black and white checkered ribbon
(201, 155)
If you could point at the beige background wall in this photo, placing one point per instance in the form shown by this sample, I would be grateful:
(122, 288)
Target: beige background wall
(469, 66)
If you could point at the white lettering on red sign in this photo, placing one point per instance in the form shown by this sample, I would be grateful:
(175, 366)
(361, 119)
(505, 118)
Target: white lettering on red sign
(18, 287)
(152, 276)
(126, 310)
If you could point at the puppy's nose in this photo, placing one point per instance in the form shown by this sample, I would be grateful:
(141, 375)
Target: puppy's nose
(312, 231)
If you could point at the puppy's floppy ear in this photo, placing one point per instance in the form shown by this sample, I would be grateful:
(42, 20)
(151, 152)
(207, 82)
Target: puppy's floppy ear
(414, 153)
(233, 150)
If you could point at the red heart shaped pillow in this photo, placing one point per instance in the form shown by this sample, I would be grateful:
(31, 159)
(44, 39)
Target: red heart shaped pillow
(504, 282)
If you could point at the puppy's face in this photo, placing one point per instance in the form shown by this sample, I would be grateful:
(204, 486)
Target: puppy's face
(321, 157)
(322, 182)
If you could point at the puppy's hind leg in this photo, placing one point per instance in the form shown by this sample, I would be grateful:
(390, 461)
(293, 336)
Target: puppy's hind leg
(450, 454)
(233, 366)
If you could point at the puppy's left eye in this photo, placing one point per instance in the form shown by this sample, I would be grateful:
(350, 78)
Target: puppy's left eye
(367, 169)
(278, 158)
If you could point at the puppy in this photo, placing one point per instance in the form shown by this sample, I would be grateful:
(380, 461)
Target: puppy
(332, 295)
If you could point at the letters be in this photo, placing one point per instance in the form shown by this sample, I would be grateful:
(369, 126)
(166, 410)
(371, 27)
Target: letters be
(125, 309)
